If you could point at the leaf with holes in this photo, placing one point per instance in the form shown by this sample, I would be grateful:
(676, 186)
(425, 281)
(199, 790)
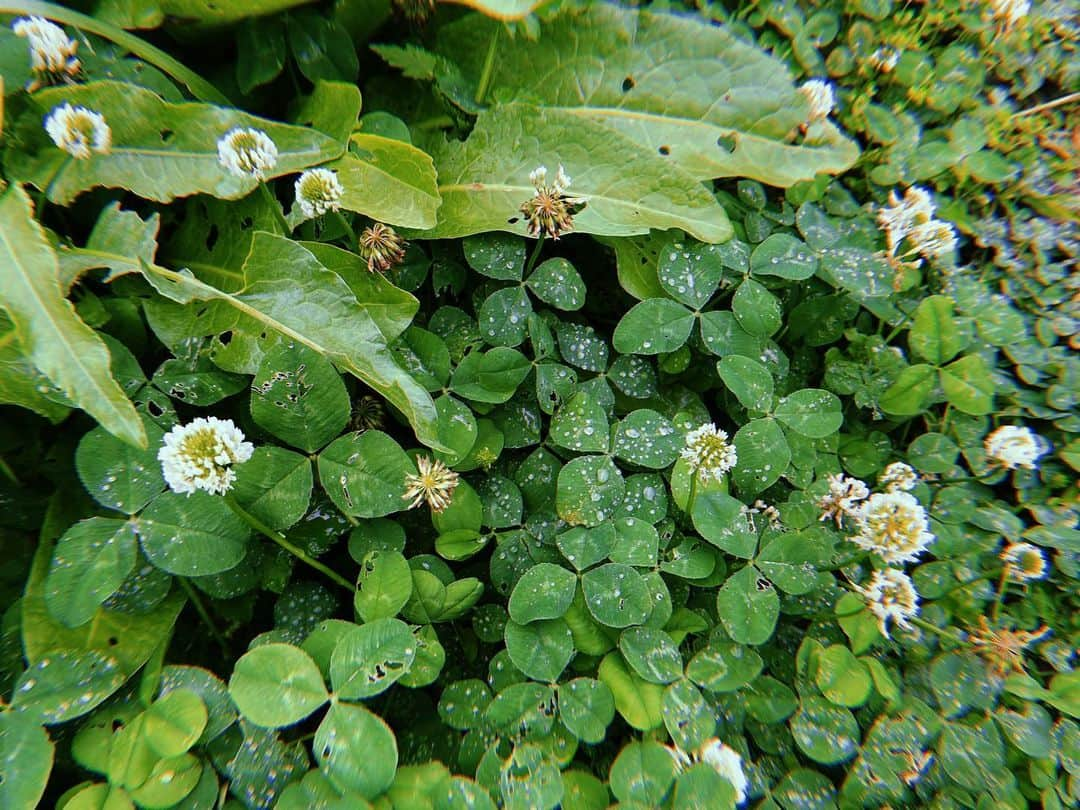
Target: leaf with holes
(369, 659)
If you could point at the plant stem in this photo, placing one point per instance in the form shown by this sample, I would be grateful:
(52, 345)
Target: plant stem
(933, 628)
(1057, 102)
(693, 493)
(535, 254)
(5, 468)
(204, 614)
(275, 206)
(489, 65)
(1003, 584)
(282, 541)
(199, 87)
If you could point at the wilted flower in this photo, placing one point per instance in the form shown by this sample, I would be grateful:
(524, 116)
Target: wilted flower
(898, 476)
(1012, 446)
(1024, 561)
(893, 525)
(367, 414)
(724, 759)
(78, 131)
(820, 96)
(884, 59)
(911, 217)
(52, 52)
(1010, 11)
(709, 453)
(843, 498)
(550, 211)
(247, 152)
(435, 484)
(381, 247)
(318, 191)
(770, 513)
(1003, 648)
(201, 455)
(890, 595)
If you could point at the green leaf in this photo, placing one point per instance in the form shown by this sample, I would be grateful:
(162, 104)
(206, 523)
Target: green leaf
(616, 595)
(274, 485)
(636, 700)
(688, 717)
(589, 490)
(118, 475)
(690, 272)
(51, 334)
(484, 180)
(783, 255)
(364, 474)
(276, 685)
(788, 560)
(721, 519)
(764, 455)
(120, 239)
(629, 72)
(192, 535)
(279, 272)
(586, 708)
(496, 255)
(298, 397)
(841, 677)
(972, 755)
(580, 425)
(968, 385)
(756, 309)
(322, 47)
(356, 750)
(545, 591)
(541, 649)
(457, 429)
(651, 654)
(812, 412)
(503, 317)
(212, 13)
(636, 542)
(174, 722)
(91, 560)
(462, 704)
(748, 606)
(491, 376)
(583, 548)
(703, 786)
(391, 181)
(648, 439)
(368, 660)
(505, 10)
(934, 335)
(384, 585)
(749, 380)
(724, 667)
(65, 684)
(825, 733)
(642, 774)
(653, 326)
(26, 758)
(160, 151)
(558, 283)
(910, 391)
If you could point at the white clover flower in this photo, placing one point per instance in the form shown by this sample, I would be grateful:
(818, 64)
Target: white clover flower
(318, 191)
(538, 177)
(550, 211)
(201, 455)
(898, 476)
(724, 759)
(709, 453)
(893, 525)
(1010, 11)
(435, 484)
(1024, 561)
(247, 153)
(821, 98)
(770, 513)
(884, 59)
(78, 131)
(903, 213)
(890, 595)
(1012, 446)
(52, 52)
(843, 498)
(934, 238)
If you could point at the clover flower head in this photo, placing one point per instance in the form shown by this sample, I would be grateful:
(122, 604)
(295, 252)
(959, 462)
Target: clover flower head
(1025, 562)
(891, 596)
(1010, 11)
(318, 191)
(821, 98)
(435, 484)
(78, 131)
(52, 52)
(934, 238)
(709, 452)
(201, 455)
(770, 513)
(1012, 446)
(247, 152)
(898, 476)
(903, 213)
(884, 59)
(894, 526)
(550, 211)
(381, 247)
(843, 498)
(722, 758)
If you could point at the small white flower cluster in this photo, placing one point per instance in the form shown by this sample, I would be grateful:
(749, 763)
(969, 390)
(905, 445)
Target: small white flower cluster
(1012, 446)
(894, 526)
(898, 477)
(538, 177)
(724, 759)
(891, 596)
(1010, 11)
(52, 51)
(247, 152)
(819, 94)
(78, 131)
(201, 455)
(709, 452)
(1024, 562)
(911, 218)
(318, 191)
(770, 513)
(843, 499)
(884, 59)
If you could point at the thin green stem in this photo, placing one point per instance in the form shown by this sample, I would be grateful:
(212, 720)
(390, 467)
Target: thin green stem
(282, 541)
(204, 614)
(436, 122)
(275, 206)
(933, 628)
(535, 253)
(199, 87)
(999, 598)
(9, 473)
(489, 66)
(693, 493)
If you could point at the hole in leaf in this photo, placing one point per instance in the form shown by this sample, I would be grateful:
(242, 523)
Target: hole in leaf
(628, 84)
(113, 641)
(166, 135)
(664, 150)
(154, 408)
(225, 338)
(246, 223)
(212, 237)
(513, 220)
(726, 142)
